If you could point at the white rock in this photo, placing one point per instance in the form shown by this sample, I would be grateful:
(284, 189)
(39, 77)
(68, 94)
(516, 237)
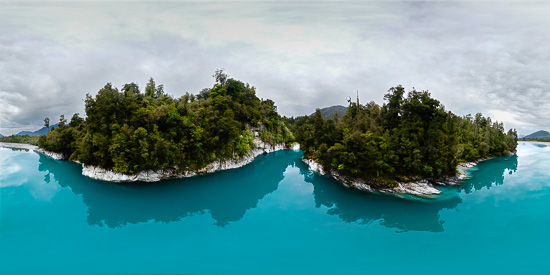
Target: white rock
(314, 166)
(419, 188)
(415, 188)
(52, 155)
(152, 176)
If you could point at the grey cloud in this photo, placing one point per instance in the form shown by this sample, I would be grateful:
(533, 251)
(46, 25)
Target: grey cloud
(475, 57)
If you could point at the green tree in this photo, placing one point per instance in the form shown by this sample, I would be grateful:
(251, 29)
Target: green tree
(47, 123)
(409, 136)
(130, 132)
(151, 88)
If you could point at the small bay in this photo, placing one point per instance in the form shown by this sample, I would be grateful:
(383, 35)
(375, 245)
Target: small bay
(273, 216)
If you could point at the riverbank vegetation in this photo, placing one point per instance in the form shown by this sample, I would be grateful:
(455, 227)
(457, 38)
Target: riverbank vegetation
(33, 140)
(130, 131)
(535, 139)
(409, 136)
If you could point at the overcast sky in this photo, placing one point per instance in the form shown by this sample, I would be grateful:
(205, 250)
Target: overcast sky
(489, 57)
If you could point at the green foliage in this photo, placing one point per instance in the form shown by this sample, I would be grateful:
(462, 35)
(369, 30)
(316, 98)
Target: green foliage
(64, 138)
(21, 139)
(129, 131)
(407, 137)
(535, 139)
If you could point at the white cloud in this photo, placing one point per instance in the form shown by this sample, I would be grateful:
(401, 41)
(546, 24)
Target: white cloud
(510, 119)
(474, 57)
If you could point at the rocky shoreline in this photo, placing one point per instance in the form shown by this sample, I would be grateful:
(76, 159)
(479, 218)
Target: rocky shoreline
(153, 176)
(423, 187)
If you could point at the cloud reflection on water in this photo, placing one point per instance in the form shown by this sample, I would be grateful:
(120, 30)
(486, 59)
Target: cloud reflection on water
(14, 174)
(9, 167)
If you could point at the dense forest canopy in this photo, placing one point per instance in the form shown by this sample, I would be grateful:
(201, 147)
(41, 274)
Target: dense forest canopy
(130, 131)
(408, 136)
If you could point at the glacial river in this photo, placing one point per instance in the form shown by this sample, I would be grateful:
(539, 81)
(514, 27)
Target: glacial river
(273, 216)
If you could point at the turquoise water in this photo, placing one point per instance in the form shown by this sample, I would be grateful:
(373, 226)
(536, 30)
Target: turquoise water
(271, 217)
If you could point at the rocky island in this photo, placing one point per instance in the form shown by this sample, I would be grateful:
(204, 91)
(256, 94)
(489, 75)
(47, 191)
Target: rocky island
(410, 144)
(130, 135)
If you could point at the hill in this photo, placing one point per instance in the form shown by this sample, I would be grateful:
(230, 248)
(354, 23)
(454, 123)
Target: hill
(129, 131)
(538, 134)
(328, 112)
(41, 131)
(409, 136)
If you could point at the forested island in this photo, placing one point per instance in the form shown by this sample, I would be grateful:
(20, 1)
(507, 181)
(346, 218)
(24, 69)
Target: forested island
(410, 137)
(130, 131)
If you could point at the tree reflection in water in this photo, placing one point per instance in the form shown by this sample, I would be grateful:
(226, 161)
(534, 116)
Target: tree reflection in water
(402, 214)
(227, 195)
(489, 173)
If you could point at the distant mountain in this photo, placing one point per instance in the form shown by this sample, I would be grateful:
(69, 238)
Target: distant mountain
(538, 134)
(1, 135)
(329, 112)
(40, 132)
